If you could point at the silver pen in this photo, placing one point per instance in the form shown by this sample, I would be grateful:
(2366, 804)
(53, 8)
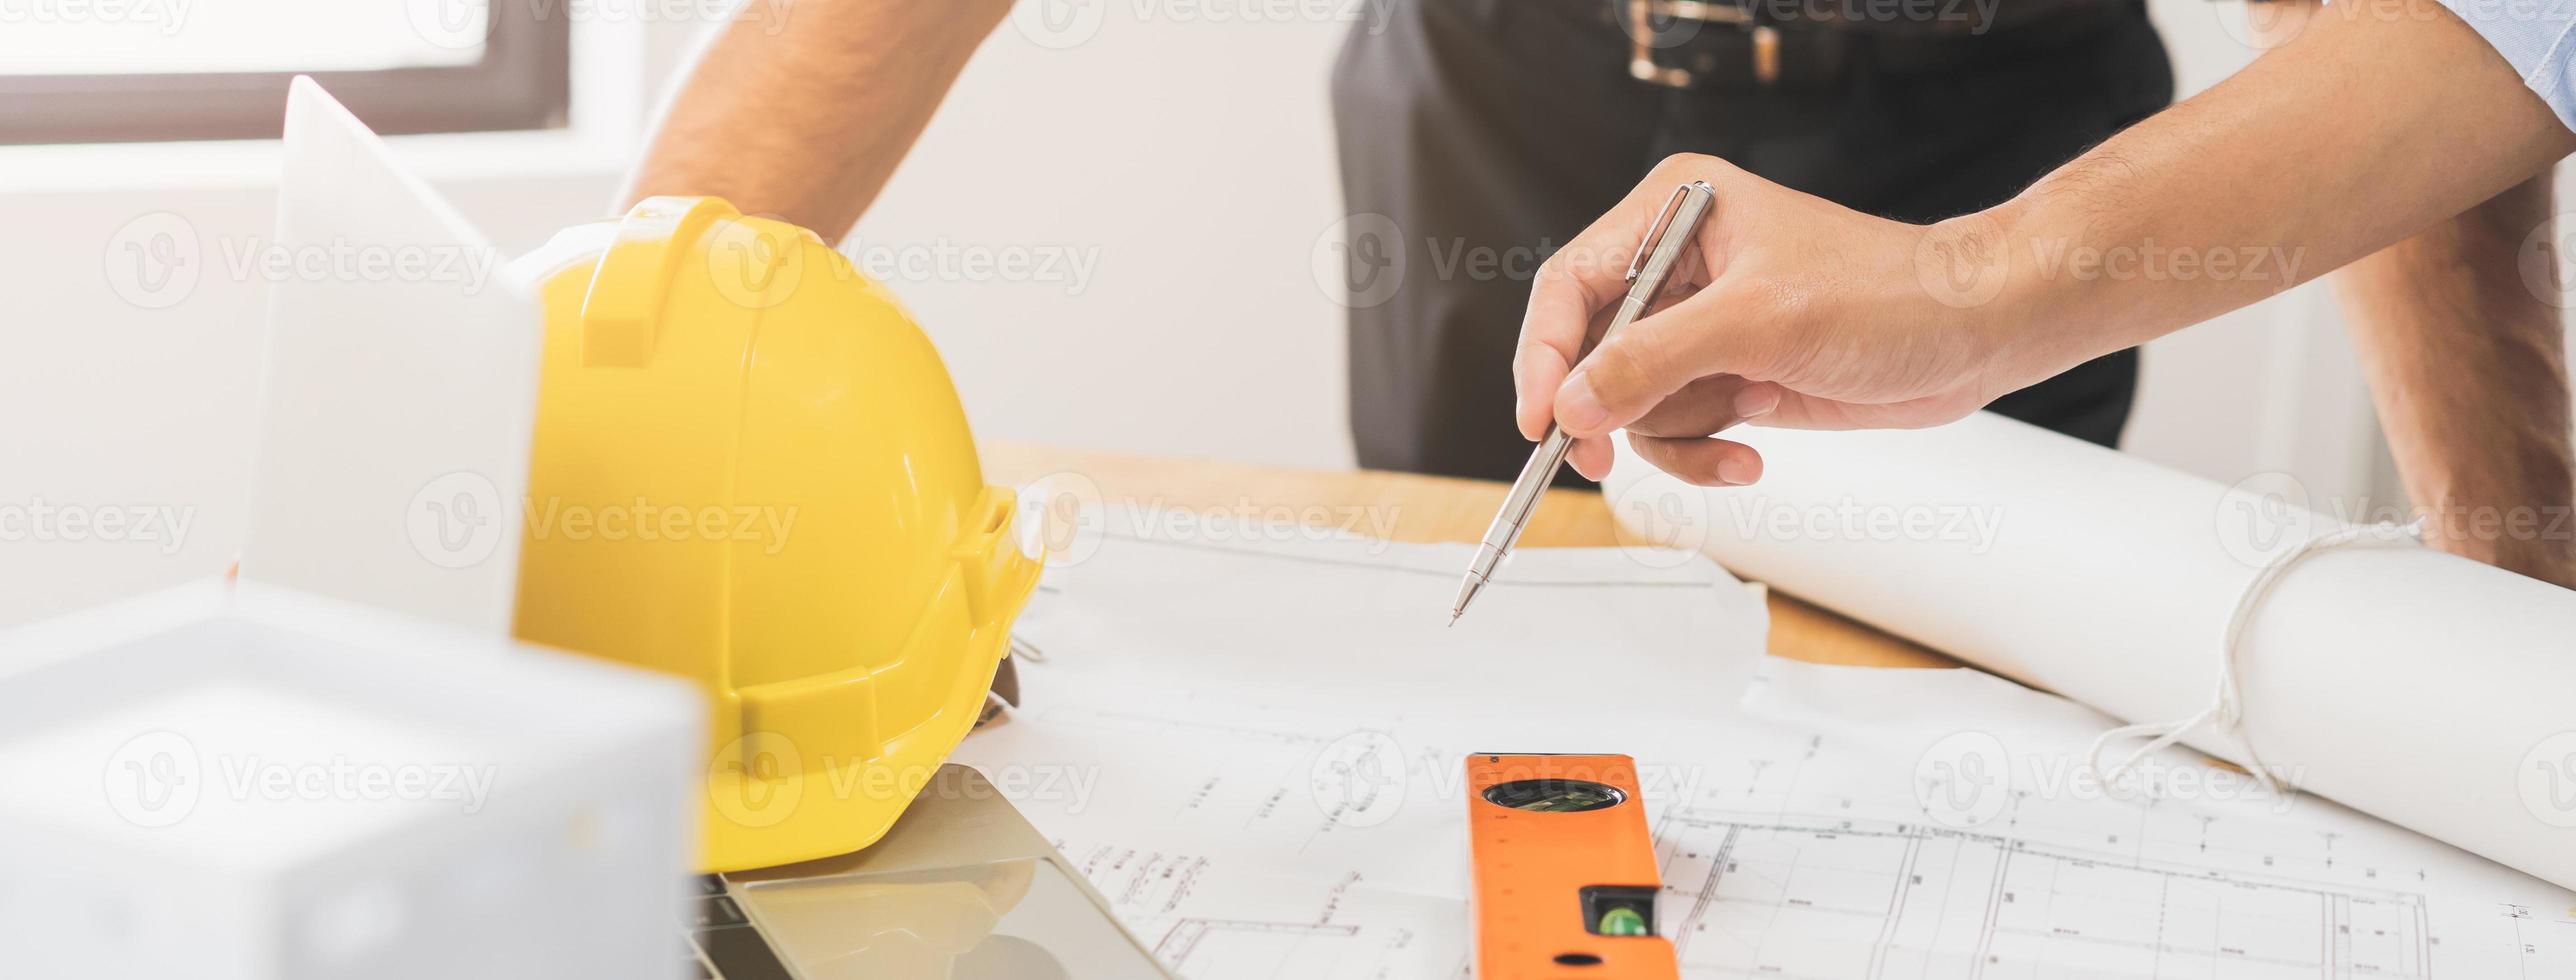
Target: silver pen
(1662, 246)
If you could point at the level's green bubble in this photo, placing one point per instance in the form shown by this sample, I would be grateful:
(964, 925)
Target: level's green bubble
(1622, 922)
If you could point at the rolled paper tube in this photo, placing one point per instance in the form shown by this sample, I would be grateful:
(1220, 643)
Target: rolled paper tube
(2431, 691)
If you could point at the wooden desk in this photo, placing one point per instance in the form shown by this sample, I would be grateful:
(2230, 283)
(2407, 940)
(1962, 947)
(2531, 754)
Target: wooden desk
(1422, 508)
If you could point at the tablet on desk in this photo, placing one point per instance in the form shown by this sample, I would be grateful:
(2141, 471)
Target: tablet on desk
(962, 887)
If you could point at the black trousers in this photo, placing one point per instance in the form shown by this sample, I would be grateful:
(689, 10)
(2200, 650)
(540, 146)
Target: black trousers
(1479, 135)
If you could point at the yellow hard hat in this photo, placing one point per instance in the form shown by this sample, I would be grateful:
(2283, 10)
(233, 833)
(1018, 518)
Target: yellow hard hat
(751, 469)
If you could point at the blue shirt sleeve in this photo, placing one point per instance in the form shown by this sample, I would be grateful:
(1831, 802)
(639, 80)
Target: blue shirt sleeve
(2538, 37)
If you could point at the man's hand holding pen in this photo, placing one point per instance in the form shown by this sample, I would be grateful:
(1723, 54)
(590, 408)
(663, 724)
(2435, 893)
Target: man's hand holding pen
(1788, 308)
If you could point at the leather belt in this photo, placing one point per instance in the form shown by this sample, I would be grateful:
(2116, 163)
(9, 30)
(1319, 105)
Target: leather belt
(1642, 14)
(1899, 27)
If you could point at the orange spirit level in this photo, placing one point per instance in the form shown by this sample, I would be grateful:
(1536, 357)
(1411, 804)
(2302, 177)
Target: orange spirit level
(1565, 870)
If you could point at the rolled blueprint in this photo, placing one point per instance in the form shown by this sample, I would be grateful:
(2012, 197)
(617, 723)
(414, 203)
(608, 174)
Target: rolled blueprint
(2432, 691)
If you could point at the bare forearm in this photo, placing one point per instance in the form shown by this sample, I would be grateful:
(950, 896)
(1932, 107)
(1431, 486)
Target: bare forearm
(2382, 118)
(2378, 122)
(2467, 366)
(805, 114)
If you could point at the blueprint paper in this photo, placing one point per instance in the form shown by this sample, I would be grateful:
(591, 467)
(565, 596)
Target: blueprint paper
(1368, 620)
(2196, 872)
(1249, 821)
(2427, 689)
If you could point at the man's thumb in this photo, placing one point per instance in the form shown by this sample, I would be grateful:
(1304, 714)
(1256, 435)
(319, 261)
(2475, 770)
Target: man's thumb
(1637, 367)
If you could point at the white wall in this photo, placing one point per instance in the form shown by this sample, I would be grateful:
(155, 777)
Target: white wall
(1195, 160)
(108, 404)
(1191, 160)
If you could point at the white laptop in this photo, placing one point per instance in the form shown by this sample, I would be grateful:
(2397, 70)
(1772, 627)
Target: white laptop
(400, 388)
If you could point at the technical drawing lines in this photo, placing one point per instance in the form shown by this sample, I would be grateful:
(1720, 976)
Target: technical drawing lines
(1235, 942)
(1789, 895)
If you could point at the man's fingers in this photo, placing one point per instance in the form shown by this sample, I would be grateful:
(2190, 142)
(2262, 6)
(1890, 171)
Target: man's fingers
(1552, 334)
(1637, 368)
(1536, 371)
(1701, 462)
(1575, 291)
(1592, 458)
(1571, 291)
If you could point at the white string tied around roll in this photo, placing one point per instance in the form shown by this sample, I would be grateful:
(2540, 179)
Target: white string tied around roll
(2226, 709)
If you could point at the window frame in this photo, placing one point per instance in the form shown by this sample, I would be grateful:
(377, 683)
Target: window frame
(523, 81)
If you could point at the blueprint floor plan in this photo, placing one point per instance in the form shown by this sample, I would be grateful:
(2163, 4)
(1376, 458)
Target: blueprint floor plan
(1816, 822)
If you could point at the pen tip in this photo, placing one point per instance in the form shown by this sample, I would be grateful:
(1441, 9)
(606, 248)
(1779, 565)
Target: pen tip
(1453, 618)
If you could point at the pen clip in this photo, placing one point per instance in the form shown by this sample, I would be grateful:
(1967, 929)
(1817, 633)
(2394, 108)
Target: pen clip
(1663, 220)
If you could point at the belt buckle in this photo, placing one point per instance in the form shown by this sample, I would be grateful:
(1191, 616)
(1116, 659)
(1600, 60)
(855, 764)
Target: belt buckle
(1642, 65)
